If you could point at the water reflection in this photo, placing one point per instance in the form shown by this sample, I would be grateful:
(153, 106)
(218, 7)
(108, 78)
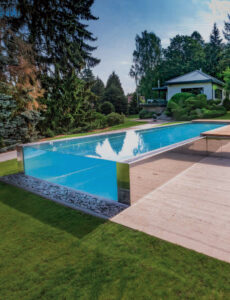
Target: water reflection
(132, 144)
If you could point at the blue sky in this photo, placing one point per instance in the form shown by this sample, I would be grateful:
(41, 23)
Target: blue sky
(120, 21)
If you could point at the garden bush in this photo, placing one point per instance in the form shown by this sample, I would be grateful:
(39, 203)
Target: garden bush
(17, 125)
(106, 108)
(226, 104)
(179, 98)
(115, 119)
(100, 121)
(144, 114)
(186, 107)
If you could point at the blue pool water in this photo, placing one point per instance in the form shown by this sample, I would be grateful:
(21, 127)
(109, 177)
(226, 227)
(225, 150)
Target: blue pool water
(89, 164)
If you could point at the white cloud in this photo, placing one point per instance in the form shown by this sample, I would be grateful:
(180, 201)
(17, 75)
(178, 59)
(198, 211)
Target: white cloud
(213, 11)
(125, 62)
(217, 11)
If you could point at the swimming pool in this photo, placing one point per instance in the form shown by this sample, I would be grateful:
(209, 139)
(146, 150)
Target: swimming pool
(98, 164)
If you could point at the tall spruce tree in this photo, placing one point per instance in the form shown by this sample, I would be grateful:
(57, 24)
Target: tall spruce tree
(61, 43)
(87, 75)
(98, 89)
(56, 30)
(114, 93)
(226, 54)
(214, 53)
(226, 30)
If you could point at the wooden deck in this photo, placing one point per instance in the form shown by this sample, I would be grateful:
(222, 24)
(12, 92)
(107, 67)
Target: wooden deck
(219, 132)
(191, 210)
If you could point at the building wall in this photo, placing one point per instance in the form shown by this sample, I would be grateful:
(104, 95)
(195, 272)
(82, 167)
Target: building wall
(174, 89)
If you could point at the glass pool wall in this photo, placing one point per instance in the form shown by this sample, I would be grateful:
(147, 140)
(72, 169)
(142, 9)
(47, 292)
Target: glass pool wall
(94, 176)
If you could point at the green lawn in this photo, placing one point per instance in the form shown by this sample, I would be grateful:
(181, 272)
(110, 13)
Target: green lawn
(129, 122)
(8, 167)
(225, 117)
(133, 116)
(48, 251)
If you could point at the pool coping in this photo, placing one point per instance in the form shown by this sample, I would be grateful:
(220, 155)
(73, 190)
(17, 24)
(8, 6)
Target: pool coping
(99, 134)
(123, 179)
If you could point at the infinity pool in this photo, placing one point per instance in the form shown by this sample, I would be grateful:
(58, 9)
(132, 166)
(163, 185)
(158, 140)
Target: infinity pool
(90, 164)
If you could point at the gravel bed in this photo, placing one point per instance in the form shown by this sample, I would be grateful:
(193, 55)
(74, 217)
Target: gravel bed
(85, 202)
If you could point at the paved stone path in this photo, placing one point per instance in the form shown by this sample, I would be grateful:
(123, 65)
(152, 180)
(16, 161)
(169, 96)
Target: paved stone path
(191, 210)
(8, 155)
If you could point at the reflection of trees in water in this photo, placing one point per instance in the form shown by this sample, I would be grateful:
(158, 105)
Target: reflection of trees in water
(131, 144)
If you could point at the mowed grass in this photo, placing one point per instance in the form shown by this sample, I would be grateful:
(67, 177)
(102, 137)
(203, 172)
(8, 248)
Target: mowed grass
(48, 251)
(129, 122)
(225, 117)
(8, 167)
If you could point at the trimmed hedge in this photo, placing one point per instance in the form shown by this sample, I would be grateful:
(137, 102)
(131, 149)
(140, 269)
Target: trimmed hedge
(144, 114)
(115, 119)
(186, 107)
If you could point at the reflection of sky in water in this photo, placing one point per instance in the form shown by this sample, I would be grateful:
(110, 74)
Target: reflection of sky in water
(132, 144)
(125, 145)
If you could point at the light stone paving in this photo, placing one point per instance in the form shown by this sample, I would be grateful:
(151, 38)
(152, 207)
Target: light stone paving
(191, 210)
(8, 155)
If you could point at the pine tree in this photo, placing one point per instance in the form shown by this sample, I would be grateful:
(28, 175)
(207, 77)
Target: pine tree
(114, 80)
(226, 30)
(226, 53)
(56, 30)
(98, 89)
(114, 93)
(133, 105)
(87, 75)
(214, 53)
(74, 107)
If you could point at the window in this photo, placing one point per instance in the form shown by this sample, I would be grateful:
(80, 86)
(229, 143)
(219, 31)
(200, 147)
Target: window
(218, 94)
(195, 91)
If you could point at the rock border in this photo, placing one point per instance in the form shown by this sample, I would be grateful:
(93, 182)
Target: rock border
(84, 202)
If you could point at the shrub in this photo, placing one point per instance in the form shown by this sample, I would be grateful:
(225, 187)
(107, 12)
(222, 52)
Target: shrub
(115, 119)
(226, 104)
(49, 133)
(179, 98)
(17, 124)
(145, 114)
(193, 107)
(100, 121)
(207, 113)
(215, 102)
(107, 108)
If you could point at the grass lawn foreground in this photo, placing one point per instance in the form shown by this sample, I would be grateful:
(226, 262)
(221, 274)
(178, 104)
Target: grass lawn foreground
(48, 251)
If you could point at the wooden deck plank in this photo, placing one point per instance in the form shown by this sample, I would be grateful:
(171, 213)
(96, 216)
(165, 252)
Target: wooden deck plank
(191, 210)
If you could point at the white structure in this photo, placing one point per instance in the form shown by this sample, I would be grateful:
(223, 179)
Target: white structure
(196, 82)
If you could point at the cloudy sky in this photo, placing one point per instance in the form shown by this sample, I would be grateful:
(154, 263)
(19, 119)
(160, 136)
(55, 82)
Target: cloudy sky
(120, 21)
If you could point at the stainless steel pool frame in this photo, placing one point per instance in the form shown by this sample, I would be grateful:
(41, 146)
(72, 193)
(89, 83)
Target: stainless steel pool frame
(139, 176)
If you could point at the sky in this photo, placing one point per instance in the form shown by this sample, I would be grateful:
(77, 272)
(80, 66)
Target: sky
(121, 20)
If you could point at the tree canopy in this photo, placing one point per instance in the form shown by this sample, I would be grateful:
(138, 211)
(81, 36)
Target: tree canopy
(57, 31)
(185, 53)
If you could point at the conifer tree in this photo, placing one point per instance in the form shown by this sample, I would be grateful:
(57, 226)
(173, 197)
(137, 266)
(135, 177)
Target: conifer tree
(214, 53)
(98, 89)
(56, 30)
(114, 93)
